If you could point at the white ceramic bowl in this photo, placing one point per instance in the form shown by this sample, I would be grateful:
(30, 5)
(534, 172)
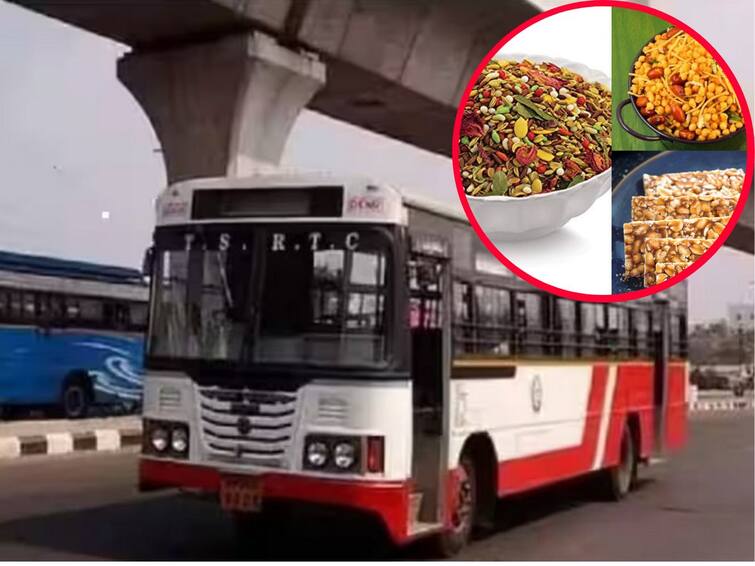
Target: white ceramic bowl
(526, 218)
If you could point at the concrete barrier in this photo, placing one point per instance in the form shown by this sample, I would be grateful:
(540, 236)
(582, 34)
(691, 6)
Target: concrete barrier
(730, 404)
(28, 438)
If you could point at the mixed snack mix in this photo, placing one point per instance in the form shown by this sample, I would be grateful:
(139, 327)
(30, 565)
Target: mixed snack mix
(531, 128)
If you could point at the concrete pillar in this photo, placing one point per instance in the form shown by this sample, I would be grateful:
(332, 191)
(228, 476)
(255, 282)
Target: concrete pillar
(219, 108)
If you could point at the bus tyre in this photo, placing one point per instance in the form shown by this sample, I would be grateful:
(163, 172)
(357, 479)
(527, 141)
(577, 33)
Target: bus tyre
(463, 515)
(75, 400)
(619, 479)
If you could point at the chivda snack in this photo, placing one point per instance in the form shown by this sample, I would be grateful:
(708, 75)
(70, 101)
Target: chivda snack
(533, 128)
(681, 90)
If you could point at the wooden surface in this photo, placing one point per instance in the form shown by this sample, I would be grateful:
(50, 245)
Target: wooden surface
(631, 31)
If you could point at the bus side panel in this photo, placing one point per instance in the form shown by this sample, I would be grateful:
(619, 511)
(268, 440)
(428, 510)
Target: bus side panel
(615, 390)
(633, 396)
(24, 368)
(115, 362)
(676, 407)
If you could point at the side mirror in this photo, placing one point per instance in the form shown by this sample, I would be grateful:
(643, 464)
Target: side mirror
(148, 261)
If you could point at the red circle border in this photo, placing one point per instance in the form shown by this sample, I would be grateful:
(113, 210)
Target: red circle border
(631, 295)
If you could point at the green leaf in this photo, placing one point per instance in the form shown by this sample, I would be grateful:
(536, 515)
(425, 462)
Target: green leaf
(576, 181)
(538, 111)
(733, 116)
(523, 111)
(500, 184)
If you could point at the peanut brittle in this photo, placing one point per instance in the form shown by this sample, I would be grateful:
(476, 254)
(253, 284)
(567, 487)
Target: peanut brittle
(672, 250)
(664, 271)
(685, 206)
(718, 182)
(636, 233)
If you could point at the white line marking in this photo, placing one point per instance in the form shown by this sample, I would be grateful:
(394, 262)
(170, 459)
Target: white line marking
(605, 417)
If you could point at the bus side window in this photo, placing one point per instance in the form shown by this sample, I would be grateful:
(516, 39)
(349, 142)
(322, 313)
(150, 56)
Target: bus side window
(72, 310)
(138, 316)
(43, 309)
(623, 339)
(4, 306)
(463, 329)
(30, 307)
(642, 332)
(565, 326)
(493, 325)
(588, 331)
(56, 310)
(115, 315)
(530, 323)
(15, 306)
(91, 312)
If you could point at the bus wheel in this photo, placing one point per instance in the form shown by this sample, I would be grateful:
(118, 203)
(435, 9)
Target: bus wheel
(75, 399)
(619, 479)
(451, 541)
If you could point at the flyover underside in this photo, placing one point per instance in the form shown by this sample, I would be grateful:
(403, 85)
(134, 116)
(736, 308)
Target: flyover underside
(394, 67)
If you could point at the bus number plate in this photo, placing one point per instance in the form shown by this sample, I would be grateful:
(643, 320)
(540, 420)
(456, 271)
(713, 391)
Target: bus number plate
(241, 494)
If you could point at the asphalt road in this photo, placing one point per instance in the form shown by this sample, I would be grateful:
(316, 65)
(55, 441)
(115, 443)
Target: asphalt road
(698, 506)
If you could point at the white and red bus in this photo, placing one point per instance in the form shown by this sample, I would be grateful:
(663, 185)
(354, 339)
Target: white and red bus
(316, 340)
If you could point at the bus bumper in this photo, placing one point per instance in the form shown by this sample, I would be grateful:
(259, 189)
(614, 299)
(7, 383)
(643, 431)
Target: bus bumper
(389, 501)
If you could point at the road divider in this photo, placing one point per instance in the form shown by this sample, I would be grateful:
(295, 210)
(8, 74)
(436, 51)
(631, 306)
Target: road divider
(731, 404)
(64, 437)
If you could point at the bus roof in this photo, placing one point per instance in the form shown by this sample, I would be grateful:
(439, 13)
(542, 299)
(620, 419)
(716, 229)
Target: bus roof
(56, 267)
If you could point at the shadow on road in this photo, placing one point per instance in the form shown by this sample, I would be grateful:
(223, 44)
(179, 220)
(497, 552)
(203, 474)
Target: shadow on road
(175, 527)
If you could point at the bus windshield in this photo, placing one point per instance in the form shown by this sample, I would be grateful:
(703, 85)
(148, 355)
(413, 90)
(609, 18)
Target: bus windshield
(282, 294)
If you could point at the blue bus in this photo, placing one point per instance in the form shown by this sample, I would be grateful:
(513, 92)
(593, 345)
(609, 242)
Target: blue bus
(71, 335)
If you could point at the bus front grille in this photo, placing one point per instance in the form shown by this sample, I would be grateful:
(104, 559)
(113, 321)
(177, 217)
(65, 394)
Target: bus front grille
(247, 426)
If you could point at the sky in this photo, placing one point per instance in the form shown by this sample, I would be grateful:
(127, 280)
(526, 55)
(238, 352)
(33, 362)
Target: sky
(79, 170)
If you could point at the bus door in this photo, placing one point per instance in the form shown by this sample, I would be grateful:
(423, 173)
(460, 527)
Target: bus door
(429, 321)
(662, 347)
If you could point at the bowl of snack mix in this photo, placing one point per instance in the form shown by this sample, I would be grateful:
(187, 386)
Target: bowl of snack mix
(681, 93)
(534, 144)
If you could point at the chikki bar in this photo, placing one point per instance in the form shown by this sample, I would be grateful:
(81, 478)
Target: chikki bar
(721, 182)
(672, 250)
(685, 206)
(636, 233)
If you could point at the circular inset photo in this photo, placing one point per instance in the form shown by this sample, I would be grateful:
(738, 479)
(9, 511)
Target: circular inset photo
(547, 116)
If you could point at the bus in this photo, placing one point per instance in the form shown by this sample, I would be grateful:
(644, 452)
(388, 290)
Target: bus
(71, 335)
(317, 341)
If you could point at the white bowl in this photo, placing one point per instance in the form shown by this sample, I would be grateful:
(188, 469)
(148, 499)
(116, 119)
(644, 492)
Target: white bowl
(534, 216)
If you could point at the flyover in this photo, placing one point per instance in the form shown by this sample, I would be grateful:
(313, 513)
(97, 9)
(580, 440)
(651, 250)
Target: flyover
(222, 81)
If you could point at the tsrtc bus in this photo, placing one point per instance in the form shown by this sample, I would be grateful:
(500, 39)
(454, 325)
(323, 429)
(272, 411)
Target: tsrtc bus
(71, 334)
(319, 341)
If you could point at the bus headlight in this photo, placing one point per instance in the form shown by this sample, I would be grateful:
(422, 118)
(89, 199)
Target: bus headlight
(317, 453)
(179, 440)
(344, 455)
(158, 438)
(165, 438)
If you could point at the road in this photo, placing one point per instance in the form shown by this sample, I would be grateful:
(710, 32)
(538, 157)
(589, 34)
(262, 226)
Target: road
(697, 506)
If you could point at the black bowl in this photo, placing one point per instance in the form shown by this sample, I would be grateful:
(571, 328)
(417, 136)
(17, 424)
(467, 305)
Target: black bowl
(661, 136)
